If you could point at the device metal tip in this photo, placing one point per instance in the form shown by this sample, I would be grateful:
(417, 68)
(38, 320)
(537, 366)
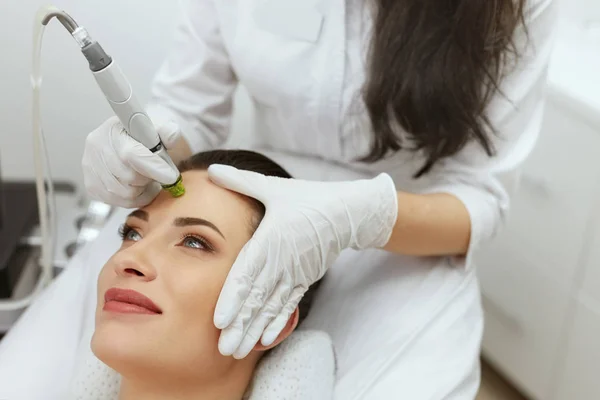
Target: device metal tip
(176, 189)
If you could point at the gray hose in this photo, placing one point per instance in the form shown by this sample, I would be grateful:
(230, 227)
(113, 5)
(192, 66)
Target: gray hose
(64, 19)
(96, 56)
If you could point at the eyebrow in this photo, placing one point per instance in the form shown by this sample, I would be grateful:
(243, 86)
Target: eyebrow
(141, 214)
(189, 221)
(179, 222)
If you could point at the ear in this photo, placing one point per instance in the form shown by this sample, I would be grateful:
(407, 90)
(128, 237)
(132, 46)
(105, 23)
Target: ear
(287, 331)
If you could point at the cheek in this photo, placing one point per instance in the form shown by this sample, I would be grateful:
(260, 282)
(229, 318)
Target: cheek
(194, 292)
(102, 284)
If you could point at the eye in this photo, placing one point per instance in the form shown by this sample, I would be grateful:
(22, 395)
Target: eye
(195, 242)
(133, 235)
(127, 233)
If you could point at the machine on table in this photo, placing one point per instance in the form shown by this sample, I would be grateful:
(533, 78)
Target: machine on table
(77, 222)
(18, 217)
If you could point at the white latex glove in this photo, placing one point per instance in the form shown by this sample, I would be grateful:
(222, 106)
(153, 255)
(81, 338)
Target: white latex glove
(120, 171)
(306, 225)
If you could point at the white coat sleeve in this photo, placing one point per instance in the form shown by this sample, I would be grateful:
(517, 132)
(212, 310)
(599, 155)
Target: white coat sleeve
(195, 85)
(481, 182)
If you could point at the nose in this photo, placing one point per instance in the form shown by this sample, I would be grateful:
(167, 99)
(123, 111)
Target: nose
(133, 263)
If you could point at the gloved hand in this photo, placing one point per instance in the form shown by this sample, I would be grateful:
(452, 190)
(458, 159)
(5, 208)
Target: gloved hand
(120, 171)
(306, 225)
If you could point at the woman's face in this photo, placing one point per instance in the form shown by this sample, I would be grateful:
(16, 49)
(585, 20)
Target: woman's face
(177, 252)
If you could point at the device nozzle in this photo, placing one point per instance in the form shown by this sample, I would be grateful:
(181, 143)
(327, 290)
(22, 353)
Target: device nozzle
(176, 189)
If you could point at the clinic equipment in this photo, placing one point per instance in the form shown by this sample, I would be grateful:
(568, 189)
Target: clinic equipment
(119, 93)
(19, 215)
(45, 201)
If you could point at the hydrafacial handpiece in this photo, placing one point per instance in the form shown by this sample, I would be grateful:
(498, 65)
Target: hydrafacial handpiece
(118, 92)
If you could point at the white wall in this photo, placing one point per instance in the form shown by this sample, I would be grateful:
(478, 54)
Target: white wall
(135, 32)
(586, 11)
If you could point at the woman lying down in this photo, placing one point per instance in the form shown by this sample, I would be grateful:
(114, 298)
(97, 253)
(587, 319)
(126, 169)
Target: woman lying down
(158, 292)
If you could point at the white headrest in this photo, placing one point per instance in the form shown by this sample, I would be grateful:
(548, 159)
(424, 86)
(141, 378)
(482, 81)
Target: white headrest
(302, 367)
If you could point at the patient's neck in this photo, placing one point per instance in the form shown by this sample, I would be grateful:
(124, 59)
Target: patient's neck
(230, 386)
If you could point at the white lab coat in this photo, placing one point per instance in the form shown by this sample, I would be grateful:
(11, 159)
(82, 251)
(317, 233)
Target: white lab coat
(303, 64)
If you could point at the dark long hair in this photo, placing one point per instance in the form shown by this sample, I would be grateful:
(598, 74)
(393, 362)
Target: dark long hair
(433, 68)
(255, 162)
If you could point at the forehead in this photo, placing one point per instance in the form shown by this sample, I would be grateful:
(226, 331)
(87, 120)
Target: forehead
(229, 211)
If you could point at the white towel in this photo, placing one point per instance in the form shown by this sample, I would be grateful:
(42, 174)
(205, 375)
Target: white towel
(302, 367)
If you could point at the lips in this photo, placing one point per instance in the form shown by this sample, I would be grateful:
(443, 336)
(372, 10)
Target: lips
(129, 301)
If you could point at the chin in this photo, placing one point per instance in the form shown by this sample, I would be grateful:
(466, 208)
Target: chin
(119, 347)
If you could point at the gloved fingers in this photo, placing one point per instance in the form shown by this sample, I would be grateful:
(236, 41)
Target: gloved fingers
(169, 133)
(273, 330)
(245, 182)
(147, 195)
(125, 173)
(108, 176)
(168, 130)
(232, 336)
(123, 196)
(109, 198)
(248, 286)
(144, 198)
(252, 336)
(234, 293)
(95, 195)
(90, 177)
(152, 166)
(241, 278)
(99, 177)
(93, 165)
(113, 183)
(143, 161)
(134, 178)
(272, 307)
